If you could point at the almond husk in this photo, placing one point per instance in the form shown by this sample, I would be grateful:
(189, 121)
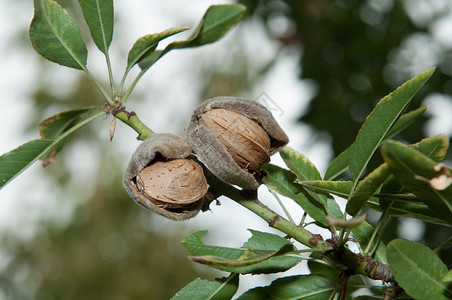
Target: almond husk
(177, 190)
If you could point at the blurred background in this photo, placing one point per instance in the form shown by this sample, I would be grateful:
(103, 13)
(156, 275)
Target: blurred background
(69, 231)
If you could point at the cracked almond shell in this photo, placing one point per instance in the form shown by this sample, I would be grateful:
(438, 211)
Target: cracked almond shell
(163, 178)
(233, 137)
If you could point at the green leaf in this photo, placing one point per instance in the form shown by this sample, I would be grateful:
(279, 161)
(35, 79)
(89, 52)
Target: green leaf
(418, 270)
(219, 289)
(380, 121)
(16, 161)
(56, 36)
(145, 46)
(56, 125)
(263, 253)
(435, 148)
(303, 168)
(342, 161)
(282, 181)
(338, 188)
(248, 258)
(99, 16)
(409, 209)
(319, 267)
(346, 224)
(363, 233)
(448, 277)
(414, 171)
(338, 165)
(299, 164)
(312, 287)
(405, 120)
(150, 59)
(366, 188)
(216, 22)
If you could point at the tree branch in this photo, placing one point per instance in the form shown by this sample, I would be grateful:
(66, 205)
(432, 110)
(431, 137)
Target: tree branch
(131, 119)
(356, 263)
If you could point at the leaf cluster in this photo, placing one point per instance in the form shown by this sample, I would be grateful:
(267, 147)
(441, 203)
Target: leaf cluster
(412, 182)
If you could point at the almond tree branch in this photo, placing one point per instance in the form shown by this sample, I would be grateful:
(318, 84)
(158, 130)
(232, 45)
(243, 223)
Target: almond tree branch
(131, 119)
(356, 263)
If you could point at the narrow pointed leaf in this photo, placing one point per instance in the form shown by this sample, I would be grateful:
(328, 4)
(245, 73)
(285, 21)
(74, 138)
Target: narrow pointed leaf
(413, 170)
(150, 59)
(56, 125)
(312, 287)
(338, 165)
(299, 164)
(362, 234)
(144, 47)
(99, 16)
(448, 277)
(418, 270)
(405, 208)
(282, 181)
(248, 258)
(216, 22)
(342, 161)
(338, 188)
(263, 253)
(366, 188)
(434, 148)
(16, 161)
(405, 120)
(219, 289)
(303, 168)
(380, 121)
(56, 36)
(346, 224)
(319, 267)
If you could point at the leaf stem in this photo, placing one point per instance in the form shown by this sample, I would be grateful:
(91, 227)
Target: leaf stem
(282, 205)
(77, 126)
(132, 86)
(121, 84)
(370, 244)
(99, 87)
(110, 73)
(443, 245)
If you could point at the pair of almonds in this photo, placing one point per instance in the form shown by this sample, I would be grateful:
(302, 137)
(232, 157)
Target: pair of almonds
(231, 136)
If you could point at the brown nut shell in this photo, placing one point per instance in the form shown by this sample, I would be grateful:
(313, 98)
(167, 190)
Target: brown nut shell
(221, 158)
(245, 140)
(163, 178)
(175, 182)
